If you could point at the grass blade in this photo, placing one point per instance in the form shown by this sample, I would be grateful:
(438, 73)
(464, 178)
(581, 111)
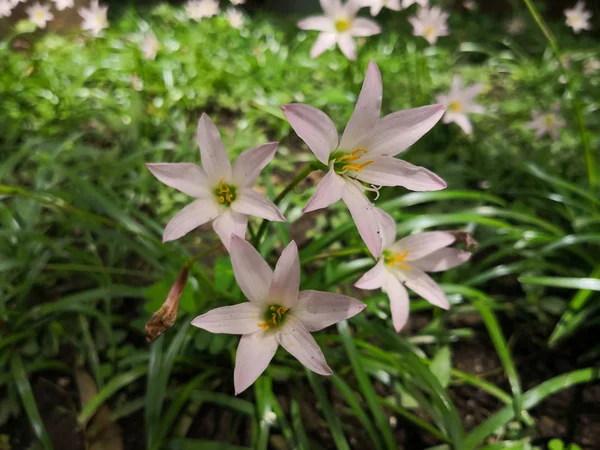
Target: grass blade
(564, 282)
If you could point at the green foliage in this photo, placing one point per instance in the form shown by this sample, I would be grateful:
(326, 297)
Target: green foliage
(82, 263)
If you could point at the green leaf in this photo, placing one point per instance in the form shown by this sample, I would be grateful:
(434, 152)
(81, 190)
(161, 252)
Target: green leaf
(562, 282)
(441, 366)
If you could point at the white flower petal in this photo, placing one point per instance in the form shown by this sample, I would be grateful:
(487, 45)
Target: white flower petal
(188, 178)
(329, 190)
(249, 164)
(252, 273)
(362, 27)
(296, 339)
(364, 215)
(192, 216)
(390, 171)
(463, 121)
(228, 223)
(317, 23)
(347, 46)
(367, 110)
(252, 203)
(254, 353)
(215, 161)
(317, 310)
(324, 41)
(374, 278)
(399, 305)
(423, 285)
(237, 319)
(314, 127)
(397, 131)
(286, 278)
(387, 226)
(443, 259)
(331, 7)
(422, 244)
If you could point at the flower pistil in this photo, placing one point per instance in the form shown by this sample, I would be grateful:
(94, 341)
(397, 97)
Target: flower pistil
(225, 193)
(274, 317)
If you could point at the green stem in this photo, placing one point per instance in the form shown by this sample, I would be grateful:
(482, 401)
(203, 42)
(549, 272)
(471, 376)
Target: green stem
(289, 188)
(576, 101)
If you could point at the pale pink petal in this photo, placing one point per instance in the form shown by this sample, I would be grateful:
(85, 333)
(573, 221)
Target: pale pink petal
(331, 7)
(473, 90)
(374, 278)
(192, 216)
(329, 190)
(443, 259)
(376, 8)
(296, 339)
(399, 306)
(362, 27)
(422, 244)
(228, 223)
(317, 23)
(367, 110)
(215, 161)
(394, 5)
(325, 41)
(347, 46)
(456, 84)
(387, 226)
(463, 121)
(390, 171)
(249, 164)
(252, 273)
(186, 177)
(254, 353)
(237, 319)
(397, 131)
(252, 203)
(314, 127)
(286, 278)
(351, 7)
(317, 310)
(423, 285)
(364, 215)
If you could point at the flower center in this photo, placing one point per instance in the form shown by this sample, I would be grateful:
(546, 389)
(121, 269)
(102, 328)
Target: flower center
(40, 15)
(225, 193)
(342, 25)
(395, 259)
(274, 317)
(346, 161)
(429, 32)
(549, 120)
(455, 106)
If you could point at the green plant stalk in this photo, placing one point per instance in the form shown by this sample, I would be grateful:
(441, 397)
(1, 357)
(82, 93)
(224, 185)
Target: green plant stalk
(576, 101)
(289, 188)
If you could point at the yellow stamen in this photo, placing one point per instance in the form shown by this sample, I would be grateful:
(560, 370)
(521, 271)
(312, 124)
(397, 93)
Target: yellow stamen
(342, 25)
(276, 316)
(455, 106)
(355, 155)
(397, 260)
(357, 167)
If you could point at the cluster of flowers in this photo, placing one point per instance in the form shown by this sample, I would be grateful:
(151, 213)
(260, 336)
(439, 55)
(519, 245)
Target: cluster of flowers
(362, 160)
(199, 9)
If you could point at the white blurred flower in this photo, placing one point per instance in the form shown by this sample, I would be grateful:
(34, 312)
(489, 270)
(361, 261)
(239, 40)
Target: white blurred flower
(469, 4)
(430, 23)
(235, 17)
(63, 4)
(238, 2)
(39, 15)
(150, 46)
(378, 5)
(460, 102)
(421, 3)
(515, 26)
(546, 123)
(94, 18)
(339, 24)
(6, 8)
(591, 66)
(198, 9)
(578, 17)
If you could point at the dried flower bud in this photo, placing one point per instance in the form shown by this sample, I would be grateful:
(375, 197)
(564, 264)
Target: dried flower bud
(463, 237)
(165, 317)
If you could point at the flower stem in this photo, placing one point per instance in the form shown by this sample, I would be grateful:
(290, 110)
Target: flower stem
(576, 101)
(289, 188)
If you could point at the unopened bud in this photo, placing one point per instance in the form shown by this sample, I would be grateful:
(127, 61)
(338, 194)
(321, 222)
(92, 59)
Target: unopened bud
(165, 317)
(463, 237)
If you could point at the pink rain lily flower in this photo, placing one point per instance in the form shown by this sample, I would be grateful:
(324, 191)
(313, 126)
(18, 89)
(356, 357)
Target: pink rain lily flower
(430, 23)
(546, 124)
(405, 263)
(578, 17)
(460, 102)
(365, 153)
(94, 18)
(277, 313)
(339, 25)
(422, 3)
(223, 194)
(39, 14)
(378, 5)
